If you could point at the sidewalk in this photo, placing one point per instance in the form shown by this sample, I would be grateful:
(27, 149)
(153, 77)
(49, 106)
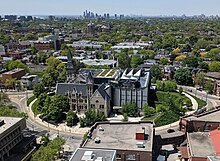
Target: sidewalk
(60, 128)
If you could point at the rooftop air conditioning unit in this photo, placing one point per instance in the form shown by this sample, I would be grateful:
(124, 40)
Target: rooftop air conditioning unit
(140, 144)
(99, 159)
(101, 129)
(97, 140)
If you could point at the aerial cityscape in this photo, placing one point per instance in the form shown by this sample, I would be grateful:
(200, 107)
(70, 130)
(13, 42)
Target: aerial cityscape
(110, 81)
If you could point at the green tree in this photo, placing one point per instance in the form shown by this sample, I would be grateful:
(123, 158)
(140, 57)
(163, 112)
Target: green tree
(10, 111)
(4, 38)
(40, 101)
(53, 62)
(148, 53)
(191, 61)
(38, 89)
(200, 79)
(50, 151)
(42, 57)
(186, 48)
(203, 65)
(164, 61)
(10, 65)
(136, 60)
(209, 86)
(214, 66)
(124, 60)
(53, 108)
(61, 68)
(30, 36)
(202, 44)
(214, 54)
(125, 117)
(45, 140)
(183, 76)
(180, 90)
(92, 116)
(129, 108)
(167, 86)
(161, 108)
(148, 111)
(72, 118)
(48, 80)
(156, 72)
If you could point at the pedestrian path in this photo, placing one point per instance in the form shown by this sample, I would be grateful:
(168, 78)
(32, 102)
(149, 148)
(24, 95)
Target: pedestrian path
(62, 127)
(77, 130)
(194, 107)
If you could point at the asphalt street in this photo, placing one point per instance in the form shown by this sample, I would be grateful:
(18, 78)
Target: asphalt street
(18, 99)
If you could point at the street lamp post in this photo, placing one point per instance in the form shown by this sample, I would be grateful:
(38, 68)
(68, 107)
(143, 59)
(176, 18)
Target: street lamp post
(206, 96)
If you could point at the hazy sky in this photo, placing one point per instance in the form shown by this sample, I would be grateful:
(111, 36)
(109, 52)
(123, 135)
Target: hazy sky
(137, 7)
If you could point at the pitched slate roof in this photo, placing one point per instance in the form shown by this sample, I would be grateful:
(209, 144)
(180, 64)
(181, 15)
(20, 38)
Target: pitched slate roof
(63, 88)
(101, 90)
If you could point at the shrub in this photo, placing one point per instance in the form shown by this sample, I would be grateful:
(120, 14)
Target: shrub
(30, 100)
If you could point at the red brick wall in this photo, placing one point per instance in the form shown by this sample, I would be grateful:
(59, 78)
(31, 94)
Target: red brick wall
(197, 159)
(139, 155)
(16, 75)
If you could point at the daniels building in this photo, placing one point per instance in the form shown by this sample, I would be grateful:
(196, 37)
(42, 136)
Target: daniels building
(106, 89)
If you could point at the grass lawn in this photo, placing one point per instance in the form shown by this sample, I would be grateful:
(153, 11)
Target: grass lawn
(30, 100)
(173, 103)
(163, 118)
(201, 103)
(34, 108)
(151, 118)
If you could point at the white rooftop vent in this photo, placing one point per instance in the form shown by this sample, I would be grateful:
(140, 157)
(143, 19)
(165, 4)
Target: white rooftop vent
(140, 144)
(101, 129)
(88, 156)
(97, 140)
(99, 159)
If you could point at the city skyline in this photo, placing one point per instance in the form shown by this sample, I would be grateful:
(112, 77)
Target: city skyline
(128, 7)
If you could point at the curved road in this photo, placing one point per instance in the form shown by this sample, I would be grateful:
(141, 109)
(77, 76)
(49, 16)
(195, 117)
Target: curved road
(212, 100)
(18, 99)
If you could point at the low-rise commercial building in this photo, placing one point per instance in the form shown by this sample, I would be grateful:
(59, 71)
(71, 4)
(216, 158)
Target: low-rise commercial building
(10, 134)
(28, 81)
(85, 154)
(200, 145)
(132, 141)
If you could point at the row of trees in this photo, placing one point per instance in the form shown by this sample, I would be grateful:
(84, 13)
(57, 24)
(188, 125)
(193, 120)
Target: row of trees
(91, 117)
(50, 107)
(49, 151)
(55, 71)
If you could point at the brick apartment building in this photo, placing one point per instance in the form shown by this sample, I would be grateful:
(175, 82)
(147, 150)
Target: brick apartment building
(202, 135)
(16, 73)
(199, 123)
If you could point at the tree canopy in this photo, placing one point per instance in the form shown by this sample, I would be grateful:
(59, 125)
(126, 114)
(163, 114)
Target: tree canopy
(183, 76)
